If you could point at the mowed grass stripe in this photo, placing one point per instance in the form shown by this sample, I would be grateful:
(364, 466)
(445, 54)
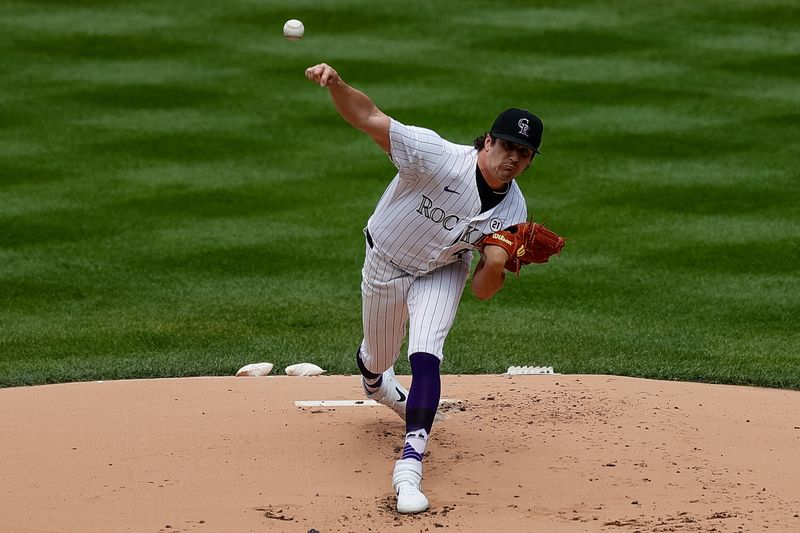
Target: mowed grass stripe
(176, 199)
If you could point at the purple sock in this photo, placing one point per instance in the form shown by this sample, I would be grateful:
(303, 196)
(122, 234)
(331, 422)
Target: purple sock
(423, 401)
(426, 388)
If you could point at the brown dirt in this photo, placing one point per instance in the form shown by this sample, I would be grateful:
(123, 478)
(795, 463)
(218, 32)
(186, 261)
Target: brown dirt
(523, 453)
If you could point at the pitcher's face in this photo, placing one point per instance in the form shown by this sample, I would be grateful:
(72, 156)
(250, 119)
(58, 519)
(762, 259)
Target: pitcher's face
(506, 160)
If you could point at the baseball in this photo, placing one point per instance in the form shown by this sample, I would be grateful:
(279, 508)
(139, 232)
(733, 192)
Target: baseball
(293, 30)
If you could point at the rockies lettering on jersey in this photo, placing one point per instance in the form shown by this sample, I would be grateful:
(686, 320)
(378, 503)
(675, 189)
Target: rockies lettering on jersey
(429, 214)
(468, 237)
(437, 214)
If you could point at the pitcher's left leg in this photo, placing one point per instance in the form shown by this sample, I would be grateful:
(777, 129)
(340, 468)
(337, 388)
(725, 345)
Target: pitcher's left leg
(433, 301)
(423, 400)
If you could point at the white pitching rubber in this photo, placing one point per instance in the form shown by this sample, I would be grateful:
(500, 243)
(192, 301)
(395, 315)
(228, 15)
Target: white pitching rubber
(517, 370)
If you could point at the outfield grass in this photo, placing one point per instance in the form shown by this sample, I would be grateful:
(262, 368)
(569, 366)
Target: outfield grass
(176, 199)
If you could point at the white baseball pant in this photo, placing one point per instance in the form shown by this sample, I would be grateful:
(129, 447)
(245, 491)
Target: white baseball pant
(391, 296)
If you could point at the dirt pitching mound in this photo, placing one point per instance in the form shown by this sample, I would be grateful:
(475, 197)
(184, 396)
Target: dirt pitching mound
(523, 453)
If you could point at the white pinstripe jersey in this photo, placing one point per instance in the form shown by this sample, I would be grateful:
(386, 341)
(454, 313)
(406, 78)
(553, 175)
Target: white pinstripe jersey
(430, 213)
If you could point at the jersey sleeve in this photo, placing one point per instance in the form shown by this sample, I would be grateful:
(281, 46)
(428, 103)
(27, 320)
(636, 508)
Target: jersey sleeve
(416, 152)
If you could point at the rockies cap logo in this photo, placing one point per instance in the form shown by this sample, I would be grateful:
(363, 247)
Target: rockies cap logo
(523, 126)
(518, 126)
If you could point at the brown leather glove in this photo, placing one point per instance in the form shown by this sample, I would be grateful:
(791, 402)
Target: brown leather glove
(525, 243)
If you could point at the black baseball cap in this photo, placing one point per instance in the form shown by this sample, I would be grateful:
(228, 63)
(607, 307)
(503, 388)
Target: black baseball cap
(519, 126)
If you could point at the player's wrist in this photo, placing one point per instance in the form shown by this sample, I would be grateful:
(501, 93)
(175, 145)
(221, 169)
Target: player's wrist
(495, 254)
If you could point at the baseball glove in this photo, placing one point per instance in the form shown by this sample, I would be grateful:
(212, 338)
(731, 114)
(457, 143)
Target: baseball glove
(525, 243)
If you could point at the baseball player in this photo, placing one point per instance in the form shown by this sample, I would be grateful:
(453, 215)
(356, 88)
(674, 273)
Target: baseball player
(442, 203)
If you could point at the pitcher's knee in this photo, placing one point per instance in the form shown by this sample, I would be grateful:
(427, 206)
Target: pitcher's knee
(363, 367)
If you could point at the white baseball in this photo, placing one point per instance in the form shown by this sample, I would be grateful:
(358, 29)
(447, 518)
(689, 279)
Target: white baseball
(293, 30)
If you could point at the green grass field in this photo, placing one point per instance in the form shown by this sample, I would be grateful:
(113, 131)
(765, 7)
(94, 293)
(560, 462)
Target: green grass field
(176, 199)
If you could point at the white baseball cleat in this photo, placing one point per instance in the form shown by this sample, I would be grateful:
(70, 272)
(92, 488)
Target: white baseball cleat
(406, 479)
(390, 393)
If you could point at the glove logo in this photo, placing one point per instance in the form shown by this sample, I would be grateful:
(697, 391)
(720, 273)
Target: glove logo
(502, 238)
(521, 250)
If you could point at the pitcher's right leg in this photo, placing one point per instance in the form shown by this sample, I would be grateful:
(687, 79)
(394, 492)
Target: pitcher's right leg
(383, 388)
(384, 288)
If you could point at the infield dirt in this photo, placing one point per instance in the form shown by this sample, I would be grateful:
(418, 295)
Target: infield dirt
(523, 453)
